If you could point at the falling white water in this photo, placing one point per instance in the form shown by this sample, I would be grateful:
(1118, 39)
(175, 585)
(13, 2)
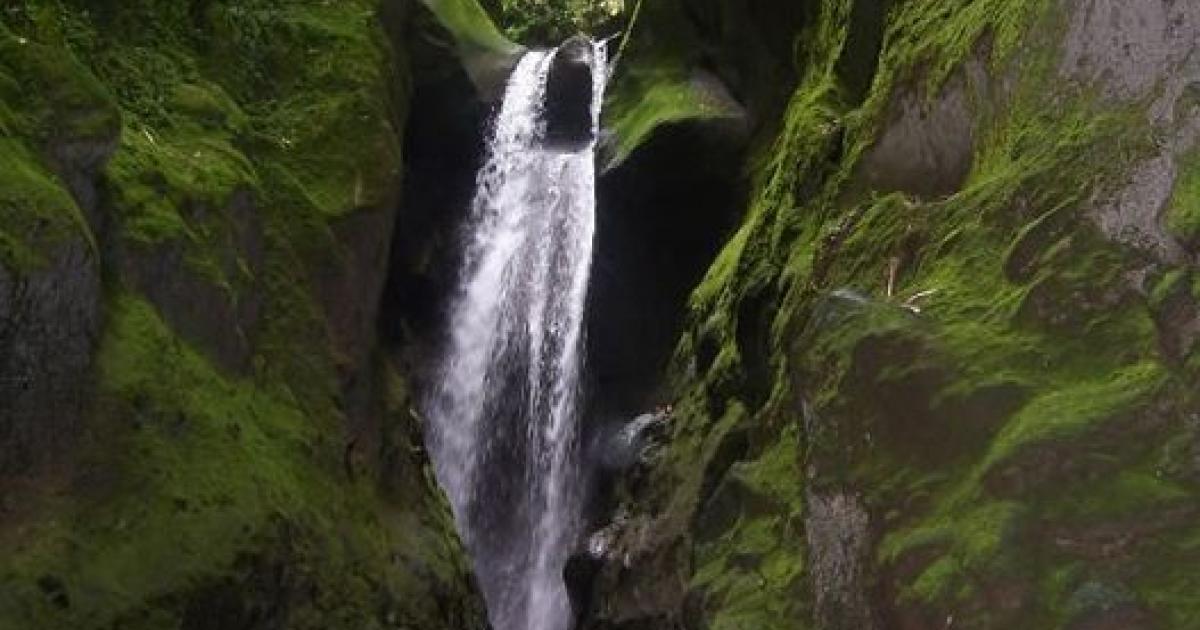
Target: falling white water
(504, 413)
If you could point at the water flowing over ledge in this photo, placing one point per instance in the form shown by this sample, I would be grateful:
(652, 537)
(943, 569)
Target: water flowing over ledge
(504, 412)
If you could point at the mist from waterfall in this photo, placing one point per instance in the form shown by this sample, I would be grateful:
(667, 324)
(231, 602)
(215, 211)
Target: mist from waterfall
(504, 412)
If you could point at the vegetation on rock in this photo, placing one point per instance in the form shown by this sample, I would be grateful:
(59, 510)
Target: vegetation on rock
(977, 367)
(548, 22)
(216, 158)
(942, 370)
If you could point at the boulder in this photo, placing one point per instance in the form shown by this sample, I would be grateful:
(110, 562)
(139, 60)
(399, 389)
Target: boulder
(624, 446)
(569, 95)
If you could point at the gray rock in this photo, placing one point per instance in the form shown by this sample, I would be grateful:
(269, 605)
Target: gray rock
(840, 547)
(569, 95)
(1133, 47)
(1134, 215)
(1141, 51)
(623, 447)
(927, 146)
(49, 322)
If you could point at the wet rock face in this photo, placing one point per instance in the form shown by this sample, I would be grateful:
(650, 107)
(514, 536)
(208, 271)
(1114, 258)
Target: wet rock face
(629, 577)
(569, 95)
(621, 447)
(48, 323)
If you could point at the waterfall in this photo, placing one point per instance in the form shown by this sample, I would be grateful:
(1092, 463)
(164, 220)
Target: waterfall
(504, 410)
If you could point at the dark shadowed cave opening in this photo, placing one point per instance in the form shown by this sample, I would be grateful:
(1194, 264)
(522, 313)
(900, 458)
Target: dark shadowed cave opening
(443, 141)
(662, 216)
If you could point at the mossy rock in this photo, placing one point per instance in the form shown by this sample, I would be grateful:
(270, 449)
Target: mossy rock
(38, 212)
(996, 379)
(486, 54)
(1183, 213)
(224, 145)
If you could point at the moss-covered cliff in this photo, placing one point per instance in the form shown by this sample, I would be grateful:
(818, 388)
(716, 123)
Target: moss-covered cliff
(939, 372)
(198, 428)
(944, 372)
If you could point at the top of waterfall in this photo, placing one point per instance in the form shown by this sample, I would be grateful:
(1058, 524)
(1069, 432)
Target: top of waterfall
(572, 90)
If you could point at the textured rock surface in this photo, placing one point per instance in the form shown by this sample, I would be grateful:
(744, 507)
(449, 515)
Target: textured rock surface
(940, 372)
(1141, 52)
(927, 147)
(50, 297)
(1133, 49)
(199, 425)
(943, 373)
(839, 539)
(49, 321)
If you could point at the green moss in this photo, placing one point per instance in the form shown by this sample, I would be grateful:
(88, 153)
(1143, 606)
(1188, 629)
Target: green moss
(470, 25)
(659, 79)
(1183, 213)
(36, 212)
(48, 92)
(158, 181)
(1012, 337)
(1068, 413)
(202, 470)
(937, 39)
(334, 130)
(340, 152)
(208, 105)
(50, 100)
(1167, 584)
(751, 573)
(1127, 494)
(243, 132)
(1173, 283)
(971, 546)
(650, 96)
(201, 466)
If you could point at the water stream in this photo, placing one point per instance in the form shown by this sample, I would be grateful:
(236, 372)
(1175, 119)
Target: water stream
(504, 414)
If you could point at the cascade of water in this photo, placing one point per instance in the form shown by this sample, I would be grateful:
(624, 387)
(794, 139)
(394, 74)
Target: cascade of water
(504, 412)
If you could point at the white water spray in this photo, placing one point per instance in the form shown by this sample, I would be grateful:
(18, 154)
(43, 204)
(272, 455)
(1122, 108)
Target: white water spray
(504, 414)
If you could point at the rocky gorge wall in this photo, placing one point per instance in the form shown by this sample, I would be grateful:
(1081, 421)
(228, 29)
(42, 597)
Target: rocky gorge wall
(919, 278)
(199, 427)
(942, 373)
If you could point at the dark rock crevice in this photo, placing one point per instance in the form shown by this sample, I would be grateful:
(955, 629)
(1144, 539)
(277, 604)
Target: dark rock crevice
(749, 45)
(443, 146)
(860, 54)
(662, 216)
